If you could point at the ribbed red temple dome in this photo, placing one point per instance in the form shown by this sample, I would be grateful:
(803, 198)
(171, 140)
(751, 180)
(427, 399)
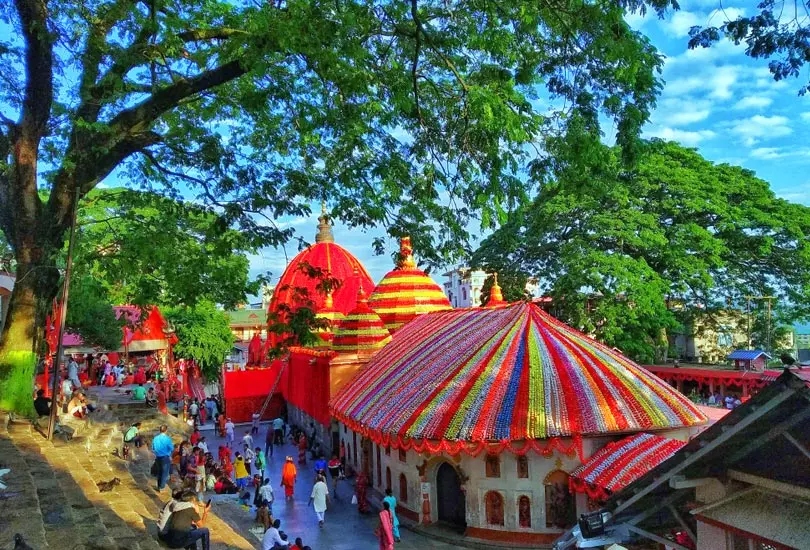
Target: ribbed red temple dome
(296, 287)
(406, 292)
(362, 331)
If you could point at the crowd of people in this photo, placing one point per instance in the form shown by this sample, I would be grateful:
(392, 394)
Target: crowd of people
(729, 401)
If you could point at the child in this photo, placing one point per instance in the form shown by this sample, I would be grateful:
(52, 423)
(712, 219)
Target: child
(240, 472)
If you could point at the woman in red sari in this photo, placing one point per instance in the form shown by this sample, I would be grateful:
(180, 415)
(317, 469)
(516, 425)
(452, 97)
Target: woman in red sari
(140, 376)
(288, 474)
(302, 449)
(385, 531)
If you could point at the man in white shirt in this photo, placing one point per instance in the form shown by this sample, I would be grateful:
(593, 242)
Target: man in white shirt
(320, 499)
(247, 440)
(272, 537)
(266, 493)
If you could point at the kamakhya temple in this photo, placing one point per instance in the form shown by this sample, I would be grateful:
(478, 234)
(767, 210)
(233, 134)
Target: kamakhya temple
(499, 421)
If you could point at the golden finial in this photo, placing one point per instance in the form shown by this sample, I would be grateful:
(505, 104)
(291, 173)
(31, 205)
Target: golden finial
(328, 302)
(406, 260)
(324, 234)
(495, 294)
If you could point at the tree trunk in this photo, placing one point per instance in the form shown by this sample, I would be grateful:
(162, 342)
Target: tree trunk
(36, 284)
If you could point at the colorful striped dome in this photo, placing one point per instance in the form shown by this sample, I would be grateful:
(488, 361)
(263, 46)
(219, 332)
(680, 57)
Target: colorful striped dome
(504, 374)
(362, 331)
(333, 317)
(406, 292)
(296, 287)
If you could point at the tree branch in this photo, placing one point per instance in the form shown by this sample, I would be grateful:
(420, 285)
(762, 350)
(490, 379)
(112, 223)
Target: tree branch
(39, 68)
(200, 35)
(138, 118)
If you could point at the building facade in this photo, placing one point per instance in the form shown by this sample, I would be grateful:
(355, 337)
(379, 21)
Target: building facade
(463, 286)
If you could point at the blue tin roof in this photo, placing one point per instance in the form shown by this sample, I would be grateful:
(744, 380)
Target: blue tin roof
(747, 354)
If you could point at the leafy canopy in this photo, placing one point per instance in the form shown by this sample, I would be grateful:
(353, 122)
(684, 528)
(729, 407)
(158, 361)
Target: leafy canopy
(626, 254)
(146, 249)
(777, 31)
(410, 114)
(204, 335)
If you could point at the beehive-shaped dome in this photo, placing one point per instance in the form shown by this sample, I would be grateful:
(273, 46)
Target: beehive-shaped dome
(511, 373)
(362, 331)
(406, 292)
(333, 317)
(297, 287)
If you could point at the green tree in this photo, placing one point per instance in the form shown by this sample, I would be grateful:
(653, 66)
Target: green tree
(203, 334)
(415, 114)
(90, 314)
(147, 249)
(777, 30)
(628, 253)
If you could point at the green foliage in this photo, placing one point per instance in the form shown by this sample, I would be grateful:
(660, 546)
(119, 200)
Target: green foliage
(15, 389)
(627, 254)
(146, 249)
(204, 335)
(90, 314)
(776, 30)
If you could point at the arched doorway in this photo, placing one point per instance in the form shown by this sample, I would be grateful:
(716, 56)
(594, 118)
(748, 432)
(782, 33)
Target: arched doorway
(452, 506)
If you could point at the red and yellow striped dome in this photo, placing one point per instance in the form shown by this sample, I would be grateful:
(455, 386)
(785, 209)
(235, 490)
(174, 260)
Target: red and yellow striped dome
(333, 317)
(406, 292)
(362, 331)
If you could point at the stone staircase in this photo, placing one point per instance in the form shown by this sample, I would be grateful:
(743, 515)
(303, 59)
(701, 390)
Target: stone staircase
(52, 498)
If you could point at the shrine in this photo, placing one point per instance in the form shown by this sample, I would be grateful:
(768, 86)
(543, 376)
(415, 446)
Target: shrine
(480, 417)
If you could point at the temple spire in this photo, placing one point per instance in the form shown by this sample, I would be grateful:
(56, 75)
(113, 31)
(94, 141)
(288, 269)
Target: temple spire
(324, 234)
(406, 260)
(495, 294)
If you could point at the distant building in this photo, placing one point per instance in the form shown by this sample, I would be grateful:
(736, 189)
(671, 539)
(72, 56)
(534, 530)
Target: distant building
(749, 359)
(246, 322)
(463, 286)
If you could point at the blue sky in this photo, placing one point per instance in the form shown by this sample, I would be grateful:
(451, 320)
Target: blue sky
(717, 100)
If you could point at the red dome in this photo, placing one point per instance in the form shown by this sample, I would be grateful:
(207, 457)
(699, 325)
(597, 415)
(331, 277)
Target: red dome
(296, 287)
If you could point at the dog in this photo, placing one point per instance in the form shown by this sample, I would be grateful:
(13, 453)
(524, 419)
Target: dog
(107, 486)
(19, 543)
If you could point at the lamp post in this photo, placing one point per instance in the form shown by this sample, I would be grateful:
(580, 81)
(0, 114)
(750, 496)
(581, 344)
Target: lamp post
(63, 314)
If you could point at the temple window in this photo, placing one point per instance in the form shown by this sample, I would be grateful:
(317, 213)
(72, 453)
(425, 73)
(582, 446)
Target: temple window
(388, 479)
(493, 466)
(525, 512)
(522, 467)
(403, 455)
(494, 505)
(345, 429)
(403, 488)
(560, 506)
(388, 450)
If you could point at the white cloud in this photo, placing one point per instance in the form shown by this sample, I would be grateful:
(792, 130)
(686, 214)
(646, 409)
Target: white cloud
(753, 102)
(684, 137)
(678, 111)
(805, 117)
(681, 21)
(759, 127)
(767, 153)
(721, 81)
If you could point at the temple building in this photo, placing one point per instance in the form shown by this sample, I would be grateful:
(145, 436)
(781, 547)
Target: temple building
(478, 417)
(742, 484)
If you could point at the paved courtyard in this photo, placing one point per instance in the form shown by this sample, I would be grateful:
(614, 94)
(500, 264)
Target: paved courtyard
(345, 528)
